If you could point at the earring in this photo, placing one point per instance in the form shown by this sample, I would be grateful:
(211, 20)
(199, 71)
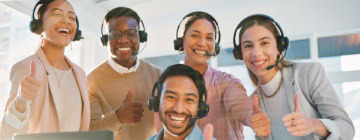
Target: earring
(71, 45)
(181, 50)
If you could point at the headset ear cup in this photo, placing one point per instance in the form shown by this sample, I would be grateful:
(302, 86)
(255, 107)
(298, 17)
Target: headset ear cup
(178, 43)
(282, 43)
(217, 48)
(77, 36)
(143, 36)
(153, 103)
(35, 26)
(203, 109)
(104, 40)
(237, 53)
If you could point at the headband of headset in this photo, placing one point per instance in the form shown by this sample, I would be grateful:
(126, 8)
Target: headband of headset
(281, 40)
(117, 12)
(178, 42)
(154, 101)
(35, 24)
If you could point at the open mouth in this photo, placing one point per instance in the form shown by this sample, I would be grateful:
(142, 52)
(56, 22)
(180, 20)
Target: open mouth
(258, 63)
(63, 31)
(199, 52)
(178, 120)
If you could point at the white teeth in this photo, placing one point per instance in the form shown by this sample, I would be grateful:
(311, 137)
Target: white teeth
(259, 62)
(200, 52)
(123, 49)
(177, 118)
(63, 30)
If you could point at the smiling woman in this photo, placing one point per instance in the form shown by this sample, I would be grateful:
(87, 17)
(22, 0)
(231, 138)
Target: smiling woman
(45, 84)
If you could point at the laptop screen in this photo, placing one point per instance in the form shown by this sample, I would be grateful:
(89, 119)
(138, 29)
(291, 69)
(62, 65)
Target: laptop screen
(85, 135)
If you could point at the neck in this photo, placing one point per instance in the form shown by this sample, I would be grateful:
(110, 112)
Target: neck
(199, 67)
(268, 76)
(55, 55)
(126, 63)
(168, 136)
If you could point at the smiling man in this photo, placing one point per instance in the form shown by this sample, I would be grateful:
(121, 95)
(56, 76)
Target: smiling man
(179, 101)
(120, 86)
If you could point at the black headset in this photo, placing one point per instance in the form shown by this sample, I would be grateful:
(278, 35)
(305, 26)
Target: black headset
(35, 24)
(178, 42)
(281, 40)
(203, 108)
(104, 37)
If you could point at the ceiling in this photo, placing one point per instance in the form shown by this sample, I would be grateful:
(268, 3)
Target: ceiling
(161, 17)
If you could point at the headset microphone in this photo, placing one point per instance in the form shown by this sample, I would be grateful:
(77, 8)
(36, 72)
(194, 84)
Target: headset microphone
(134, 53)
(210, 54)
(277, 61)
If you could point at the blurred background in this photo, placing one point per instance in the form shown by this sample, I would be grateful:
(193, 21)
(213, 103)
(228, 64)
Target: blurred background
(324, 31)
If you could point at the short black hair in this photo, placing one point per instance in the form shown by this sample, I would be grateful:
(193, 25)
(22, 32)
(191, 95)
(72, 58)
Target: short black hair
(183, 70)
(122, 11)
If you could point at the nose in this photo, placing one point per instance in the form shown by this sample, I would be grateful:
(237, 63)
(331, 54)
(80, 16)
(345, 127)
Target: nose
(201, 42)
(179, 107)
(123, 38)
(256, 51)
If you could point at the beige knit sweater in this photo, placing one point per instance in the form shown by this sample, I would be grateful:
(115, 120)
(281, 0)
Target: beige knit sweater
(107, 91)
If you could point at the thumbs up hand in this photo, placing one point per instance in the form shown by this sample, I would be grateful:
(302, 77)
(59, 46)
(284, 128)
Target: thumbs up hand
(298, 124)
(129, 112)
(260, 121)
(30, 85)
(208, 132)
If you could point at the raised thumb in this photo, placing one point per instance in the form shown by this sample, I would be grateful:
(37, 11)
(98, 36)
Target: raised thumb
(32, 69)
(255, 102)
(297, 103)
(208, 132)
(128, 97)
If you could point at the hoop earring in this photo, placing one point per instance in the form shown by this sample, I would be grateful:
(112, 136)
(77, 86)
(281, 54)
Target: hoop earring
(181, 48)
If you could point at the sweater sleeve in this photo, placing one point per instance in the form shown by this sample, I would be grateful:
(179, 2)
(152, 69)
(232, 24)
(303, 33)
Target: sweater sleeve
(333, 116)
(100, 121)
(237, 103)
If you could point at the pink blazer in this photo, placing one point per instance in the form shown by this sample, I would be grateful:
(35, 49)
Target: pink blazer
(43, 113)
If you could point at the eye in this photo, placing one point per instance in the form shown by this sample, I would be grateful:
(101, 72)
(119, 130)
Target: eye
(210, 38)
(264, 43)
(194, 35)
(248, 46)
(169, 97)
(72, 18)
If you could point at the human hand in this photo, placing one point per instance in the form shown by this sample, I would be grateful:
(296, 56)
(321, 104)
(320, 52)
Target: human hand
(260, 121)
(30, 85)
(130, 112)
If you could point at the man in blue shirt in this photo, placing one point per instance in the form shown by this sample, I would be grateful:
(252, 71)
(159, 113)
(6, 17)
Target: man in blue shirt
(179, 101)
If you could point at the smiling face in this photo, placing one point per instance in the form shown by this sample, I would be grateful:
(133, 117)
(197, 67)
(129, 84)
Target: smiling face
(123, 40)
(259, 50)
(59, 23)
(178, 104)
(199, 39)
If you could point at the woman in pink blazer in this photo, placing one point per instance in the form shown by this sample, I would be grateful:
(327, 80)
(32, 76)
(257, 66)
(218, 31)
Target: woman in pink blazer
(48, 92)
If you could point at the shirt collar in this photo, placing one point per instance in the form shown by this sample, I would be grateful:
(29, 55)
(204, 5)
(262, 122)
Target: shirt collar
(121, 69)
(270, 87)
(195, 134)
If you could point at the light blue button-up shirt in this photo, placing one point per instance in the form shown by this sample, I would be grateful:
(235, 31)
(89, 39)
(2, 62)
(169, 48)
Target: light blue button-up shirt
(195, 134)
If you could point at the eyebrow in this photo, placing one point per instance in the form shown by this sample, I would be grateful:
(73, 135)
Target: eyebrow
(259, 39)
(200, 32)
(175, 93)
(71, 12)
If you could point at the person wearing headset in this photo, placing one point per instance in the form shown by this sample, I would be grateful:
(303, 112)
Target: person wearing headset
(298, 97)
(180, 102)
(47, 84)
(120, 87)
(230, 107)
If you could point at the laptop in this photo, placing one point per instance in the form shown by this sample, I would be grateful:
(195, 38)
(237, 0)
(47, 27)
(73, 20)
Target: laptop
(84, 135)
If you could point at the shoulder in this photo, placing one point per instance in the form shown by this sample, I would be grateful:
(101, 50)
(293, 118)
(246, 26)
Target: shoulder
(307, 67)
(99, 69)
(226, 77)
(149, 67)
(23, 66)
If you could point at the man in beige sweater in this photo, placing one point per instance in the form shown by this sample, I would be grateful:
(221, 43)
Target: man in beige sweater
(120, 86)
